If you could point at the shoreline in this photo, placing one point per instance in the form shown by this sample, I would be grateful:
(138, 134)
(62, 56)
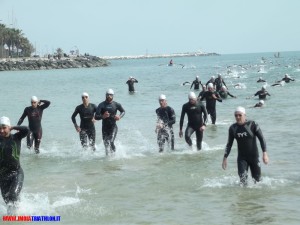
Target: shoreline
(173, 55)
(41, 63)
(73, 61)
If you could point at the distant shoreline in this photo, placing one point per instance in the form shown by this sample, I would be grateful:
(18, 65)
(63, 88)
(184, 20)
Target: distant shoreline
(173, 55)
(41, 63)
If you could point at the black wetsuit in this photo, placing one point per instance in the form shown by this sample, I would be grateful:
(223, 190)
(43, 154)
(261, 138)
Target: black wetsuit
(248, 155)
(109, 126)
(197, 117)
(87, 127)
(219, 82)
(196, 83)
(224, 94)
(11, 173)
(34, 119)
(210, 81)
(287, 79)
(130, 83)
(211, 104)
(262, 94)
(260, 80)
(167, 116)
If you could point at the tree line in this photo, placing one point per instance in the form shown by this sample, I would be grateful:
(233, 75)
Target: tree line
(13, 43)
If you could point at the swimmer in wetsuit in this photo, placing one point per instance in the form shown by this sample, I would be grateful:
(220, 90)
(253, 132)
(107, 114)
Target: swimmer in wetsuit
(260, 80)
(262, 94)
(211, 97)
(219, 82)
(287, 79)
(11, 172)
(197, 118)
(196, 83)
(164, 129)
(107, 112)
(34, 114)
(130, 83)
(224, 93)
(245, 132)
(86, 129)
(259, 104)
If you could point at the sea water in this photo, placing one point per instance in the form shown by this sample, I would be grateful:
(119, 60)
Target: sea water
(139, 185)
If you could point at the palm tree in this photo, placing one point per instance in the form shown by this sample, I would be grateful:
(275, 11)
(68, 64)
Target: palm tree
(14, 39)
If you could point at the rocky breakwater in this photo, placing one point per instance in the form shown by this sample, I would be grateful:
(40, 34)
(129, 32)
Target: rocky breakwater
(48, 64)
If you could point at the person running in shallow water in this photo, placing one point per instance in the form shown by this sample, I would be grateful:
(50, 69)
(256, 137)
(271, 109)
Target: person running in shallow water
(245, 132)
(211, 96)
(107, 112)
(34, 114)
(197, 118)
(11, 172)
(164, 128)
(86, 129)
(130, 82)
(219, 82)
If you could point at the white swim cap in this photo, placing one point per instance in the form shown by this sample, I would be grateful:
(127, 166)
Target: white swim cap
(130, 77)
(197, 77)
(192, 95)
(162, 97)
(34, 99)
(260, 78)
(212, 77)
(219, 75)
(84, 94)
(4, 121)
(262, 102)
(240, 109)
(263, 87)
(110, 92)
(210, 85)
(224, 88)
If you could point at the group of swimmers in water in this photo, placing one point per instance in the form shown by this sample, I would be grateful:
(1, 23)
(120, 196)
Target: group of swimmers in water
(244, 131)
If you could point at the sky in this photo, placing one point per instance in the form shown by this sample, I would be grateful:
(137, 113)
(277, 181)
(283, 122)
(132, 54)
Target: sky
(139, 27)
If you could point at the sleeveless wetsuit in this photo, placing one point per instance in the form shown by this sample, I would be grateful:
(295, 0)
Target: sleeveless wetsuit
(86, 124)
(197, 117)
(11, 173)
(34, 119)
(167, 116)
(248, 155)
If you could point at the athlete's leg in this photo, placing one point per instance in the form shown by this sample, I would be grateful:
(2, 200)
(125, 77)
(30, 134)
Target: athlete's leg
(213, 116)
(92, 138)
(188, 133)
(37, 140)
(12, 187)
(199, 137)
(113, 137)
(105, 137)
(255, 170)
(172, 138)
(29, 140)
(243, 171)
(83, 138)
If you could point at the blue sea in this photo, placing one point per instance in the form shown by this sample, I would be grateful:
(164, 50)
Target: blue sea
(139, 185)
